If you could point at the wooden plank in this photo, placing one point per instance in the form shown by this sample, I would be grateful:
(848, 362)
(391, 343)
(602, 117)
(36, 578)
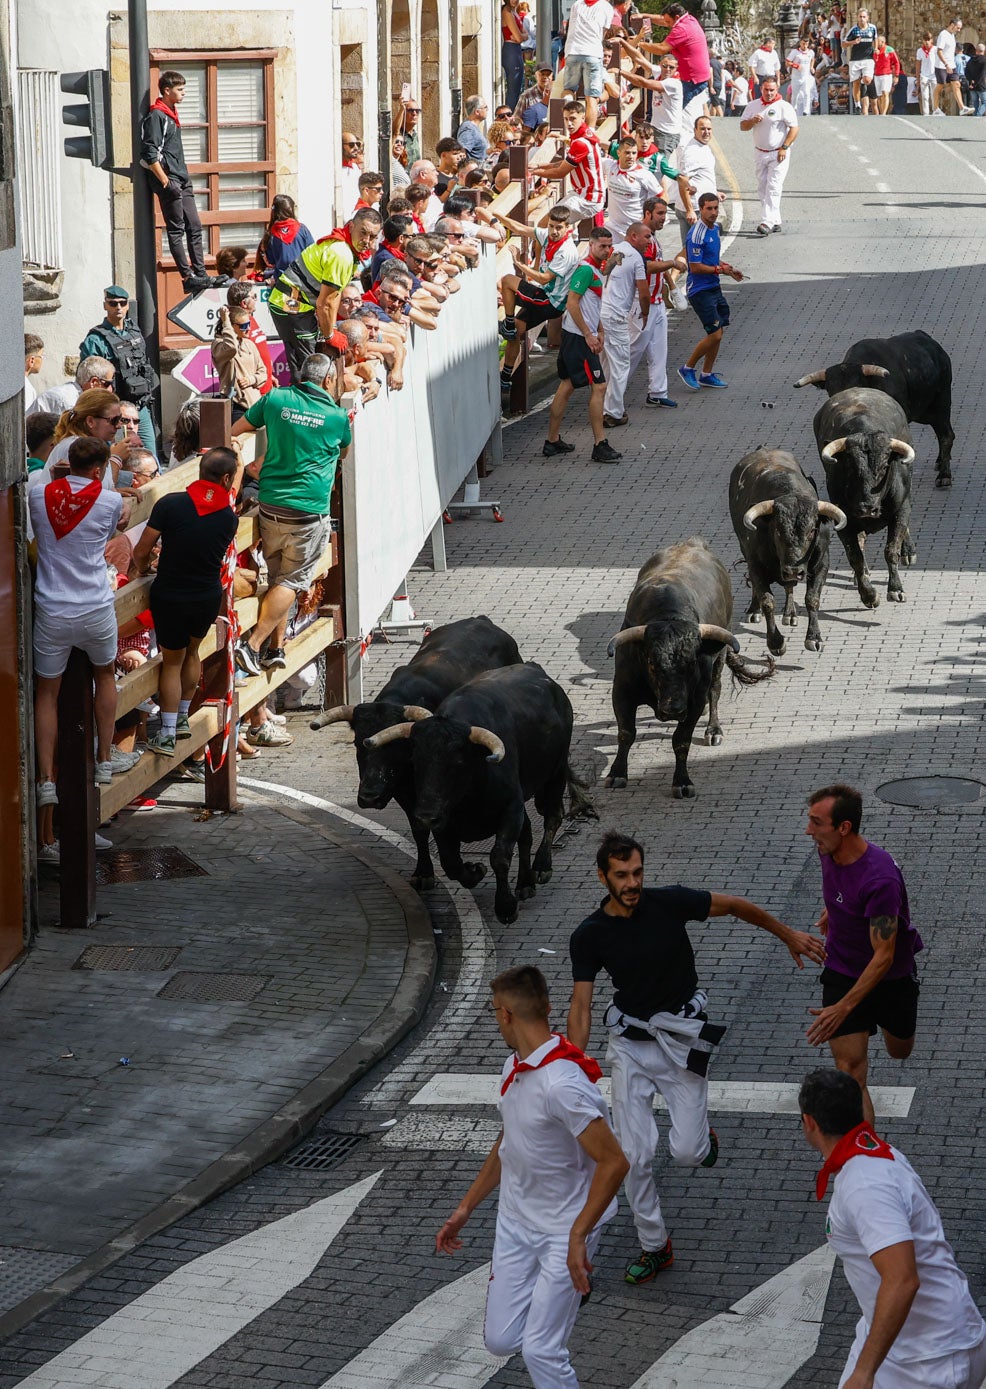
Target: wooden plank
(297, 654)
(174, 480)
(131, 599)
(247, 533)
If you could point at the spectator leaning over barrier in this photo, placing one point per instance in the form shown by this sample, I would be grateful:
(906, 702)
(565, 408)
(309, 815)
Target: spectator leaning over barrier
(387, 334)
(360, 374)
(73, 518)
(34, 355)
(244, 296)
(396, 231)
(307, 435)
(398, 297)
(305, 298)
(39, 432)
(471, 134)
(195, 528)
(92, 374)
(424, 172)
(242, 374)
(284, 240)
(425, 266)
(121, 342)
(477, 222)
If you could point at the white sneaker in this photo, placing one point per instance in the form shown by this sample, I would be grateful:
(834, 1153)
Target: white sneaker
(48, 853)
(101, 842)
(104, 773)
(47, 794)
(122, 761)
(966, 110)
(938, 113)
(279, 719)
(147, 706)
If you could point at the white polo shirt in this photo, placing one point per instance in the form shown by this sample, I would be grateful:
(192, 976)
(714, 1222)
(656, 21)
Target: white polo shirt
(545, 1174)
(778, 118)
(698, 163)
(875, 1204)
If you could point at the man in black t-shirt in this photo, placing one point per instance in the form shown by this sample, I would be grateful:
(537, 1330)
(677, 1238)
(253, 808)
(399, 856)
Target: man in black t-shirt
(196, 528)
(660, 1037)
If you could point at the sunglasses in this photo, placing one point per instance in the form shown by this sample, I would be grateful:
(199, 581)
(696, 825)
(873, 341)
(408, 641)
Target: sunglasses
(399, 145)
(455, 236)
(412, 110)
(116, 301)
(397, 298)
(115, 420)
(428, 264)
(352, 144)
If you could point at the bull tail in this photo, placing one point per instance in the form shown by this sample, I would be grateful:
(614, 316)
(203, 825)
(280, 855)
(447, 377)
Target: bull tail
(739, 668)
(580, 806)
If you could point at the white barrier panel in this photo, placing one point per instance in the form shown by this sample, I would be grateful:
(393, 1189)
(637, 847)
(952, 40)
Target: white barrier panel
(413, 448)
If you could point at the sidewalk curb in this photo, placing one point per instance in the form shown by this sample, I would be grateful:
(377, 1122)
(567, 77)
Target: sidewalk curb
(276, 1135)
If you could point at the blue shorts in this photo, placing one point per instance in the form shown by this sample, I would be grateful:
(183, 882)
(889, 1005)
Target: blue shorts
(712, 309)
(589, 71)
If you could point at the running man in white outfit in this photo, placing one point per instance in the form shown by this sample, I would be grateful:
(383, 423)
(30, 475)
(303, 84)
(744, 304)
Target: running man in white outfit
(626, 287)
(775, 128)
(660, 1037)
(801, 66)
(920, 1328)
(649, 337)
(558, 1167)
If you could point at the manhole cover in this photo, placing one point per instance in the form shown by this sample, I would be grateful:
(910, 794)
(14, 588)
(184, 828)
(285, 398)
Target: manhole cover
(130, 957)
(197, 986)
(932, 792)
(322, 1153)
(143, 865)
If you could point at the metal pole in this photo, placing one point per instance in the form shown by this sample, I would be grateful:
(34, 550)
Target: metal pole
(384, 120)
(145, 246)
(543, 15)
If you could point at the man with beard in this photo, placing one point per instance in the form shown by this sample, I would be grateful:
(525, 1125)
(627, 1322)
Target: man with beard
(661, 1039)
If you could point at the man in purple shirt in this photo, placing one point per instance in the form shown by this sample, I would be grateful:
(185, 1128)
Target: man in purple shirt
(869, 979)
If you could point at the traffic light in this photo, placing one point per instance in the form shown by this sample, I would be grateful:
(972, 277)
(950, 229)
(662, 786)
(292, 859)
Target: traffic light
(93, 115)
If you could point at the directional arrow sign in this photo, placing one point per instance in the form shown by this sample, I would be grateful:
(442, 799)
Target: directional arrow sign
(161, 1335)
(196, 371)
(198, 313)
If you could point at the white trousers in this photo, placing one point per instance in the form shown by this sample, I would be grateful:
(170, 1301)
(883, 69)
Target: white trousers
(616, 363)
(965, 1369)
(927, 85)
(639, 1070)
(770, 183)
(802, 95)
(650, 341)
(531, 1304)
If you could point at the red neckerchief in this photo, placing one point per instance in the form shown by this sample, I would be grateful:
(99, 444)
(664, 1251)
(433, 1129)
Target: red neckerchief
(395, 251)
(551, 247)
(564, 1051)
(287, 230)
(360, 203)
(927, 48)
(351, 164)
(207, 497)
(66, 508)
(646, 154)
(370, 297)
(858, 1142)
(418, 223)
(165, 110)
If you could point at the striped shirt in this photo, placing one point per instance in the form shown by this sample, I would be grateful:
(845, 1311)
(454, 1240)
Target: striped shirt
(585, 157)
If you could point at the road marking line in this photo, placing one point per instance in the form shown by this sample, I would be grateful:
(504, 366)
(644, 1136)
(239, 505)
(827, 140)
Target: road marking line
(760, 1343)
(882, 188)
(167, 1331)
(725, 1096)
(440, 1342)
(736, 211)
(928, 135)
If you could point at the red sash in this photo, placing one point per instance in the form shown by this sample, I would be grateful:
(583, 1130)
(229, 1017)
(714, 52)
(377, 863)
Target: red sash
(165, 110)
(67, 508)
(207, 497)
(858, 1142)
(564, 1051)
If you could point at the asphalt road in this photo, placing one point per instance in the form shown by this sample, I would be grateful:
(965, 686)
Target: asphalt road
(883, 232)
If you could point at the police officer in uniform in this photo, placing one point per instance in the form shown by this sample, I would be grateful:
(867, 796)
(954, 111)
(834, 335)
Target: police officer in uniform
(121, 342)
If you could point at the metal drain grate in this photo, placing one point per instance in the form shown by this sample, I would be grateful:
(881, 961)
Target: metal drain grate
(932, 792)
(145, 865)
(322, 1153)
(197, 986)
(128, 957)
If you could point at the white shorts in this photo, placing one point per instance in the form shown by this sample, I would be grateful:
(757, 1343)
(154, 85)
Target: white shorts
(884, 84)
(580, 205)
(861, 71)
(94, 632)
(962, 1370)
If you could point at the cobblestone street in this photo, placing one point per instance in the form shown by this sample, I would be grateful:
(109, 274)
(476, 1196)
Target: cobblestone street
(896, 693)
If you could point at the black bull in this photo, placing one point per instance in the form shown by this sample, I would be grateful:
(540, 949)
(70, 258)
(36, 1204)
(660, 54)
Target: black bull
(784, 532)
(914, 370)
(670, 653)
(865, 446)
(447, 658)
(490, 747)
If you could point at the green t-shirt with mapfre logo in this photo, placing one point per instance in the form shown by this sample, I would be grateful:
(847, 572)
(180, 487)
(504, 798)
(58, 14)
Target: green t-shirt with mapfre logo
(306, 431)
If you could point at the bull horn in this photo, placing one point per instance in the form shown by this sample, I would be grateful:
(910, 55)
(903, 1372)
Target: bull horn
(814, 378)
(832, 513)
(621, 638)
(868, 369)
(709, 632)
(342, 713)
(836, 446)
(751, 517)
(485, 739)
(414, 713)
(905, 450)
(389, 735)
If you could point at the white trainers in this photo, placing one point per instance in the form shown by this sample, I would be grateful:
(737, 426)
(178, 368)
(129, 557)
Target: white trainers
(48, 853)
(122, 761)
(101, 842)
(104, 773)
(47, 794)
(268, 735)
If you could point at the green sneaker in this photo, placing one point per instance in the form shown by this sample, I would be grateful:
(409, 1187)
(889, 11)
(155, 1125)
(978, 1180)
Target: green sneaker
(648, 1265)
(183, 728)
(164, 747)
(712, 1156)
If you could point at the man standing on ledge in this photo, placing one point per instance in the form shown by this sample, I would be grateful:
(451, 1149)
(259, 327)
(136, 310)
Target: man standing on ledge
(919, 1328)
(161, 154)
(661, 1040)
(870, 979)
(558, 1168)
(775, 128)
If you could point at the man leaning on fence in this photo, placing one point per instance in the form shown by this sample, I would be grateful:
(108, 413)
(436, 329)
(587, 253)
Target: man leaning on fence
(307, 435)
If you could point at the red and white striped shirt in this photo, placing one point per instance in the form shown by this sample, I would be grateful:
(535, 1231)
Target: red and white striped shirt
(585, 157)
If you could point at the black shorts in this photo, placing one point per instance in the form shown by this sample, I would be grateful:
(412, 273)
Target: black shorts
(576, 363)
(892, 1005)
(943, 76)
(712, 309)
(533, 305)
(179, 621)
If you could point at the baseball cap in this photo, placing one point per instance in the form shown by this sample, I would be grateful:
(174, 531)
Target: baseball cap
(115, 292)
(544, 67)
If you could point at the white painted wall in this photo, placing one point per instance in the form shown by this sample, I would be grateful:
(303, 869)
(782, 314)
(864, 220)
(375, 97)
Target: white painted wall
(11, 324)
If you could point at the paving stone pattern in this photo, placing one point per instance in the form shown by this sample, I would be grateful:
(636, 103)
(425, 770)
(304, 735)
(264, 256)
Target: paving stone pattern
(896, 692)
